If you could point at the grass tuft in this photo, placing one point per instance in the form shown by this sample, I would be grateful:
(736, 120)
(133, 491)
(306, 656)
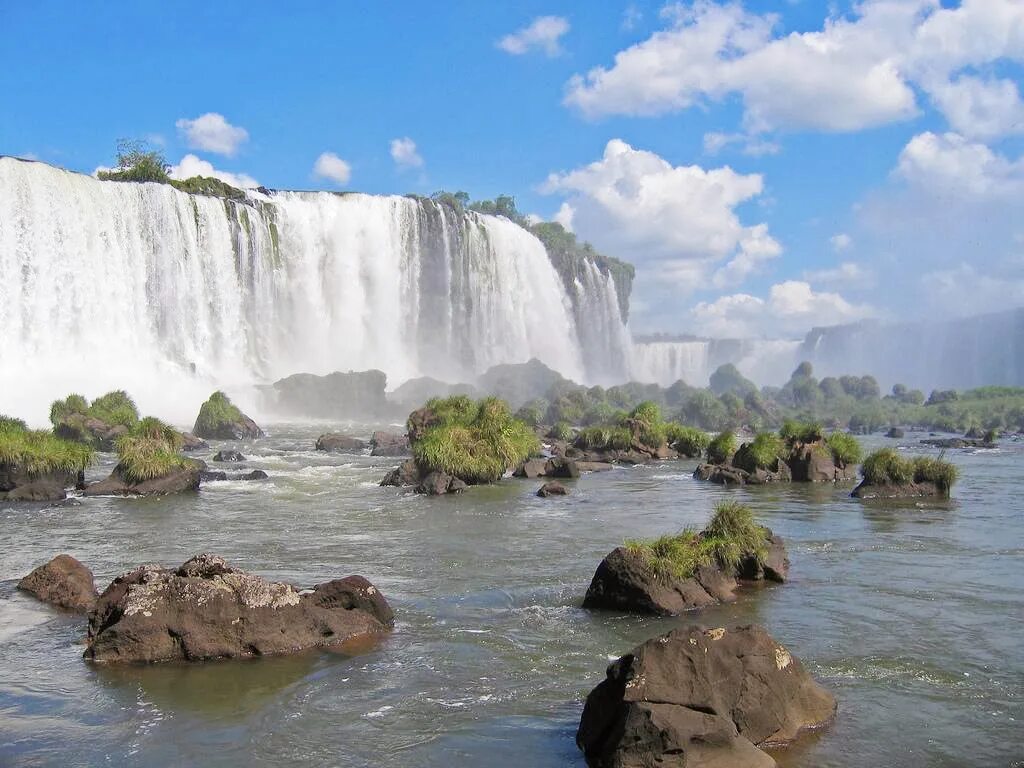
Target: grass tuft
(722, 447)
(38, 451)
(604, 438)
(846, 450)
(143, 458)
(214, 412)
(800, 432)
(766, 449)
(886, 467)
(115, 407)
(689, 441)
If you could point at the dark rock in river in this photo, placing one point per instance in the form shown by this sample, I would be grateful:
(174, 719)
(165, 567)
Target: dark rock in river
(190, 442)
(89, 430)
(895, 433)
(209, 476)
(40, 490)
(256, 474)
(407, 473)
(701, 698)
(15, 475)
(63, 582)
(531, 469)
(624, 581)
(356, 394)
(208, 610)
(957, 442)
(552, 488)
(389, 444)
(903, 491)
(438, 483)
(335, 442)
(229, 455)
(559, 466)
(185, 478)
(802, 463)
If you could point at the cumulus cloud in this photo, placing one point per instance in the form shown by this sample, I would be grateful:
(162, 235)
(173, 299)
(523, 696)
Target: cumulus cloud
(405, 154)
(855, 72)
(953, 165)
(212, 133)
(982, 109)
(790, 309)
(331, 167)
(190, 166)
(676, 222)
(543, 33)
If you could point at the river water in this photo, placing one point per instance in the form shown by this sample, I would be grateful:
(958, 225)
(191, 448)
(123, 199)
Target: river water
(910, 614)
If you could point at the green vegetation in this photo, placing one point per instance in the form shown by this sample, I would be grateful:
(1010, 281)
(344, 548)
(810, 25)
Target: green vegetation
(115, 407)
(606, 438)
(730, 537)
(216, 411)
(137, 162)
(646, 424)
(205, 185)
(142, 457)
(846, 450)
(72, 404)
(766, 449)
(688, 441)
(722, 447)
(793, 431)
(561, 431)
(474, 441)
(887, 467)
(39, 451)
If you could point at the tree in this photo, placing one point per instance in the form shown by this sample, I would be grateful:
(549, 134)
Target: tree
(136, 161)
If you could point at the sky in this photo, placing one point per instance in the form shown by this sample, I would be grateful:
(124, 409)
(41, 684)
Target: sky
(767, 166)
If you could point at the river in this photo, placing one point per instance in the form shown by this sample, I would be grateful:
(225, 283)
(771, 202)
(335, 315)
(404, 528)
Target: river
(910, 614)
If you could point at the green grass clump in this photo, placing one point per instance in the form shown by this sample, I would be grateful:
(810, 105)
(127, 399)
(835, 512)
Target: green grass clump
(216, 411)
(115, 407)
(800, 432)
(39, 451)
(204, 185)
(730, 537)
(646, 419)
(604, 439)
(886, 467)
(722, 447)
(766, 449)
(143, 458)
(561, 431)
(154, 429)
(476, 442)
(846, 450)
(69, 406)
(932, 470)
(689, 441)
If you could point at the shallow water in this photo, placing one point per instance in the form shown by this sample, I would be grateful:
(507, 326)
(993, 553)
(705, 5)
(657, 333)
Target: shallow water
(910, 614)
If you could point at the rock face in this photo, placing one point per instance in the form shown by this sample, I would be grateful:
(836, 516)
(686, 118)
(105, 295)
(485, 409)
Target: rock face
(40, 490)
(625, 582)
(186, 478)
(16, 475)
(701, 698)
(407, 473)
(335, 442)
(90, 430)
(556, 466)
(63, 582)
(207, 610)
(389, 444)
(356, 394)
(804, 463)
(229, 455)
(552, 488)
(957, 442)
(904, 491)
(438, 483)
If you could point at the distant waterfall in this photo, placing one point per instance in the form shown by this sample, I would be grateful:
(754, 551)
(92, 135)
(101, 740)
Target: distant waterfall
(106, 284)
(665, 362)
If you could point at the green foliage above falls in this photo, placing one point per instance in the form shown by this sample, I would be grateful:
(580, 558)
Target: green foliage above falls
(475, 441)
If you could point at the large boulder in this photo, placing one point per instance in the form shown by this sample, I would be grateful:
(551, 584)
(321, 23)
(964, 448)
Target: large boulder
(81, 428)
(63, 582)
(228, 455)
(389, 444)
(532, 469)
(40, 490)
(15, 475)
(336, 396)
(552, 488)
(406, 474)
(813, 463)
(190, 442)
(220, 419)
(625, 581)
(335, 442)
(438, 483)
(866, 490)
(559, 466)
(184, 478)
(207, 610)
(701, 698)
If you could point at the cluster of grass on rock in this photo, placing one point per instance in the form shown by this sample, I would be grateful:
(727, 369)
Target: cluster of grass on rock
(38, 451)
(113, 408)
(150, 450)
(887, 467)
(730, 537)
(645, 426)
(217, 410)
(721, 448)
(475, 441)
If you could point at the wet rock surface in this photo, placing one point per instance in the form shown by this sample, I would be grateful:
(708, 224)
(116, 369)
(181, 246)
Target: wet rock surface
(186, 478)
(552, 488)
(336, 442)
(63, 582)
(389, 444)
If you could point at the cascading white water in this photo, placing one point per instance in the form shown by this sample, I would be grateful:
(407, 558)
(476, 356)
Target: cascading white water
(666, 362)
(139, 286)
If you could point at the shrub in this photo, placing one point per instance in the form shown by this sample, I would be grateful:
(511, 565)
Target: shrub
(39, 451)
(886, 467)
(144, 458)
(136, 162)
(70, 405)
(766, 449)
(561, 431)
(115, 407)
(475, 442)
(846, 450)
(931, 470)
(216, 411)
(793, 431)
(689, 441)
(731, 536)
(154, 429)
(722, 447)
(604, 439)
(532, 413)
(204, 185)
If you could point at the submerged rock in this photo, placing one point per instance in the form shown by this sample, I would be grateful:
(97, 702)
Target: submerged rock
(207, 610)
(335, 442)
(895, 433)
(552, 488)
(184, 478)
(898, 491)
(228, 455)
(958, 442)
(256, 474)
(40, 490)
(63, 582)
(625, 581)
(212, 476)
(389, 444)
(438, 483)
(701, 698)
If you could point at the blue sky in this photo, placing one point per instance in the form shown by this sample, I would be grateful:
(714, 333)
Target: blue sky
(767, 166)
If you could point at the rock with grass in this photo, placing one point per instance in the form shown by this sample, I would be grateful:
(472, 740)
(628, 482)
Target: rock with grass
(220, 419)
(638, 437)
(37, 463)
(888, 475)
(335, 442)
(688, 570)
(149, 465)
(207, 609)
(552, 488)
(63, 582)
(229, 455)
(98, 424)
(701, 698)
(389, 444)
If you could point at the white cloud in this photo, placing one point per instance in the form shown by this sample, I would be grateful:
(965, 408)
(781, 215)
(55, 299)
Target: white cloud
(405, 154)
(791, 308)
(952, 165)
(754, 146)
(676, 222)
(631, 17)
(190, 166)
(212, 133)
(331, 167)
(982, 109)
(853, 73)
(848, 274)
(840, 242)
(543, 33)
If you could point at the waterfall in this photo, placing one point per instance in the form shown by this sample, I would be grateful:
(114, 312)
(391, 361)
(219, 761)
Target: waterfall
(139, 286)
(666, 362)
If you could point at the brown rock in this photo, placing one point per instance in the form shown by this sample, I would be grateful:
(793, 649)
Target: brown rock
(407, 473)
(701, 698)
(552, 488)
(438, 483)
(41, 490)
(532, 469)
(389, 444)
(63, 582)
(206, 609)
(186, 478)
(335, 442)
(904, 491)
(559, 466)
